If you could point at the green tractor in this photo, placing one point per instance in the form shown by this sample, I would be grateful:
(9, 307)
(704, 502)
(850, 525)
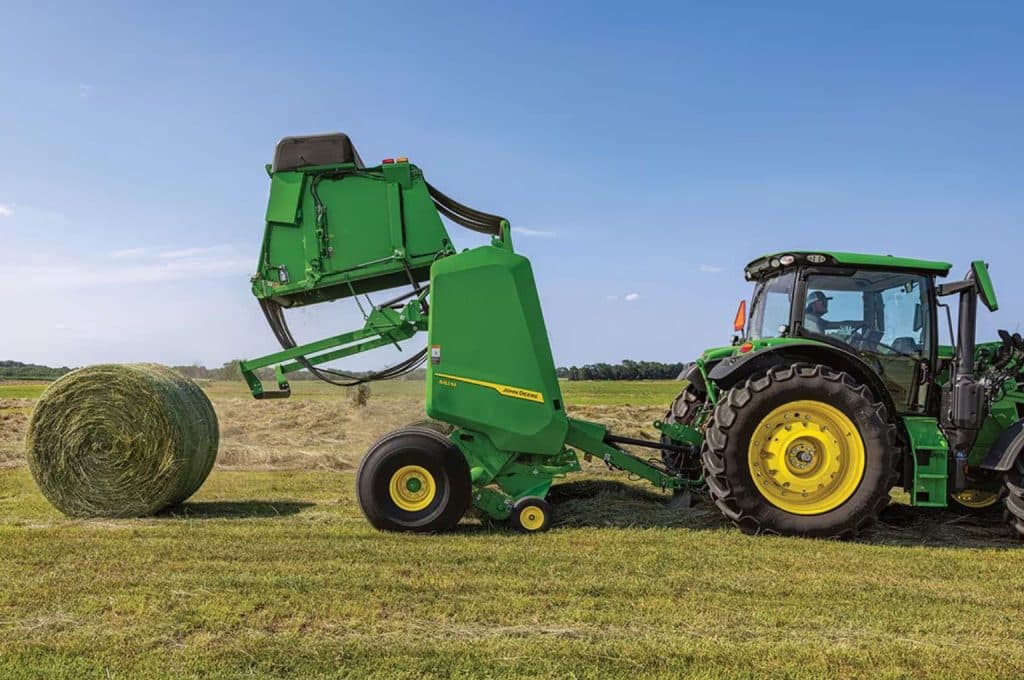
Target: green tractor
(836, 390)
(801, 427)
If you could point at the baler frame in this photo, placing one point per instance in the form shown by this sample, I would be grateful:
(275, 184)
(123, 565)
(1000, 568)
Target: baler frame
(306, 258)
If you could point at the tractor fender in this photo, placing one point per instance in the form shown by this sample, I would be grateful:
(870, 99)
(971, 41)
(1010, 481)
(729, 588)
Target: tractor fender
(731, 371)
(1006, 449)
(691, 373)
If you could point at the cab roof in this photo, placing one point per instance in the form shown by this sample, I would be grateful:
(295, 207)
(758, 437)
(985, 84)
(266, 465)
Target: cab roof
(768, 263)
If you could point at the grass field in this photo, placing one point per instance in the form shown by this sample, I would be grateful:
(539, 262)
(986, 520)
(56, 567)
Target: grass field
(271, 570)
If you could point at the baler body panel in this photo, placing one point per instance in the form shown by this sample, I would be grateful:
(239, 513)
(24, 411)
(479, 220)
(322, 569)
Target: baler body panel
(335, 231)
(490, 368)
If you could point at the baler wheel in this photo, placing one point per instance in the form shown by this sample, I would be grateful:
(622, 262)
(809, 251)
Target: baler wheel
(531, 515)
(413, 479)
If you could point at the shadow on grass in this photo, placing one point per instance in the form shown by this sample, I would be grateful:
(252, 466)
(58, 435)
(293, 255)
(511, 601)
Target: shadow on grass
(940, 528)
(234, 509)
(613, 504)
(608, 503)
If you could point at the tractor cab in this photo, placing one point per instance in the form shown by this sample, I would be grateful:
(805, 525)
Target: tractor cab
(879, 309)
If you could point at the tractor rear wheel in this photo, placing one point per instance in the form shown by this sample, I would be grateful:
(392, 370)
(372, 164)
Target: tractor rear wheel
(1015, 497)
(413, 479)
(802, 450)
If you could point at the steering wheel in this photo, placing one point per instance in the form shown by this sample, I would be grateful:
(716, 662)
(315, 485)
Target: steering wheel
(859, 338)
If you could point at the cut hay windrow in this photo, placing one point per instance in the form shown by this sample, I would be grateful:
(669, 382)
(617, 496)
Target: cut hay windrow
(121, 440)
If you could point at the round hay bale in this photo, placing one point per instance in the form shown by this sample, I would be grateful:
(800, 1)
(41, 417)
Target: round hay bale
(121, 440)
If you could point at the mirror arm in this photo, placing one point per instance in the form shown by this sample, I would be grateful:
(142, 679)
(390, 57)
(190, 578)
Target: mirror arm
(954, 287)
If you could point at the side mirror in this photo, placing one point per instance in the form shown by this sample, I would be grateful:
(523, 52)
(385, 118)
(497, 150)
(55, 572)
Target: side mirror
(918, 317)
(983, 282)
(741, 318)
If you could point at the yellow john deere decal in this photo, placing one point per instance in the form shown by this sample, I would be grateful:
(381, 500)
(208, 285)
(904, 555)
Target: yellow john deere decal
(503, 390)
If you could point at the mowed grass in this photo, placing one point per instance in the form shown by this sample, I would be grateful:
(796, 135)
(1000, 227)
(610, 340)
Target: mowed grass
(276, 573)
(270, 573)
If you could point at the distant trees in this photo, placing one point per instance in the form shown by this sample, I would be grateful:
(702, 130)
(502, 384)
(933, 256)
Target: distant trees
(627, 370)
(229, 370)
(20, 371)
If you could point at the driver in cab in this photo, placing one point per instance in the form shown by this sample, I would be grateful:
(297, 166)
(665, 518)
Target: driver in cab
(817, 308)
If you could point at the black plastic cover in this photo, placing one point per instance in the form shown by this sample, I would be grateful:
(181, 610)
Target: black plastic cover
(329, 149)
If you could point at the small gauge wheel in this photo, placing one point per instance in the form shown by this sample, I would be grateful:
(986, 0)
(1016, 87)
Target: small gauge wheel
(531, 515)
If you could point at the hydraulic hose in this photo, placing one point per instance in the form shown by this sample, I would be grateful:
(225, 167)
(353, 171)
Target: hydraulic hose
(464, 215)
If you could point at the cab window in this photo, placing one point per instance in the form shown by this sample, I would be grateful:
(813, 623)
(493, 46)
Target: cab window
(769, 309)
(872, 311)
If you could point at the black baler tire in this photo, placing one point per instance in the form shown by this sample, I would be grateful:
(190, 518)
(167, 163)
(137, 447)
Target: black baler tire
(422, 446)
(1014, 502)
(739, 411)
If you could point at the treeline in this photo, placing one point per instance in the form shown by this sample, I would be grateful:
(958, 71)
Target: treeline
(228, 371)
(20, 371)
(627, 370)
(232, 371)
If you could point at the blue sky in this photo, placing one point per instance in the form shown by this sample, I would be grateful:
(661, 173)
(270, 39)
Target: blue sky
(645, 152)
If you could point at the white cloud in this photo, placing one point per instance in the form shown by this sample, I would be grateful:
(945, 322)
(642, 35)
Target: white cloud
(630, 297)
(709, 269)
(134, 267)
(85, 90)
(128, 253)
(193, 252)
(540, 233)
(28, 214)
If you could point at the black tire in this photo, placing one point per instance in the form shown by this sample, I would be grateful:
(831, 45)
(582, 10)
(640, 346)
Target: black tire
(531, 515)
(1015, 497)
(740, 412)
(425, 448)
(683, 410)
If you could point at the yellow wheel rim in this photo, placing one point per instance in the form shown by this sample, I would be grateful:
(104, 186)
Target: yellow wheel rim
(806, 457)
(975, 499)
(531, 517)
(412, 488)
